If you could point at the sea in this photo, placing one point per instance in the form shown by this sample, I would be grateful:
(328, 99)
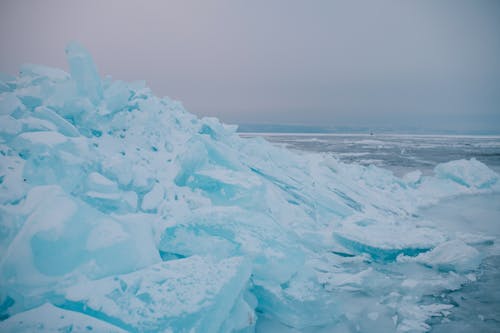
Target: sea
(476, 305)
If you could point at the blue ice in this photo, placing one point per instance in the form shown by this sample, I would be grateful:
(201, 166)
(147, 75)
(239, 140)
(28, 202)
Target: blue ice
(121, 211)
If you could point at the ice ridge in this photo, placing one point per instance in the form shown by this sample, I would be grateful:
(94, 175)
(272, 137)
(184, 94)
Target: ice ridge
(120, 211)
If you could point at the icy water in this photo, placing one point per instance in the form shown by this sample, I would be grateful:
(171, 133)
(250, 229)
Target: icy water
(477, 305)
(399, 153)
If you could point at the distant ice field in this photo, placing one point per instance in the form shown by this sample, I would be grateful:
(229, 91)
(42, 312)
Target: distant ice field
(400, 153)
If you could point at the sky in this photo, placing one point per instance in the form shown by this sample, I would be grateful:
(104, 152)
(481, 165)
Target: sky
(426, 64)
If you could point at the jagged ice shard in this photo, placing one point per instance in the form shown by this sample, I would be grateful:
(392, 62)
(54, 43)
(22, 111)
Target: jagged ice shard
(120, 211)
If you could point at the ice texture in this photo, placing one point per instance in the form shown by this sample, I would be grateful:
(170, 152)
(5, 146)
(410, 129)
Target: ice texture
(121, 211)
(48, 318)
(194, 292)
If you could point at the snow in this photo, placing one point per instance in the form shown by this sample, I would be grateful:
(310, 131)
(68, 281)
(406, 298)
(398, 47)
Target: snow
(123, 211)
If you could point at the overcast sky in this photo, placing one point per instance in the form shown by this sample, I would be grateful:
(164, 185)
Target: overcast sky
(433, 64)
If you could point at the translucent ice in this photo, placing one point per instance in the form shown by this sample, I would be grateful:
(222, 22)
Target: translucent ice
(123, 211)
(84, 73)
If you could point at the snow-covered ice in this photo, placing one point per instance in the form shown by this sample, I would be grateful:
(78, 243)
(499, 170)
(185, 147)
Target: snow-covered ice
(121, 211)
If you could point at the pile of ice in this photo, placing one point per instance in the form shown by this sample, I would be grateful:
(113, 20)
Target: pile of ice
(120, 211)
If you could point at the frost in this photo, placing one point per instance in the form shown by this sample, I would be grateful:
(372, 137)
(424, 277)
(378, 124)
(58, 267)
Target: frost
(123, 211)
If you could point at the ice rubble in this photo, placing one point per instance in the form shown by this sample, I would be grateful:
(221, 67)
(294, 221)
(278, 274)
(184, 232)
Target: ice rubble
(122, 211)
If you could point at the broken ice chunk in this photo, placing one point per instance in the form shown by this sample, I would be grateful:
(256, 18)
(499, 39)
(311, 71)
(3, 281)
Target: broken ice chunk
(153, 198)
(98, 182)
(45, 139)
(62, 125)
(182, 241)
(469, 173)
(63, 237)
(385, 241)
(104, 194)
(415, 316)
(193, 294)
(118, 201)
(9, 126)
(84, 72)
(116, 97)
(9, 103)
(45, 72)
(221, 231)
(413, 178)
(452, 255)
(50, 319)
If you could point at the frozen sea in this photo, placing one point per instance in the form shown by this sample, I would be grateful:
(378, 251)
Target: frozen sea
(477, 305)
(121, 211)
(400, 153)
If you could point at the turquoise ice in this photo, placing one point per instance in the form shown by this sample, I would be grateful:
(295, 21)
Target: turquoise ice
(122, 210)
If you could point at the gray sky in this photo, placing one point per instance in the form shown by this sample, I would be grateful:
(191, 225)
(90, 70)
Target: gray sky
(431, 64)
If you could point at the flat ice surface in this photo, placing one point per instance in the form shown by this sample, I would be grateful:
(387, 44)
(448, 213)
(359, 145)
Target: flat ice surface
(122, 210)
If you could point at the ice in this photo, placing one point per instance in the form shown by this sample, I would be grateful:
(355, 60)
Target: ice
(196, 292)
(452, 255)
(63, 238)
(48, 318)
(124, 211)
(84, 72)
(386, 242)
(153, 198)
(62, 125)
(41, 138)
(413, 177)
(9, 103)
(116, 97)
(98, 182)
(43, 72)
(416, 324)
(470, 173)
